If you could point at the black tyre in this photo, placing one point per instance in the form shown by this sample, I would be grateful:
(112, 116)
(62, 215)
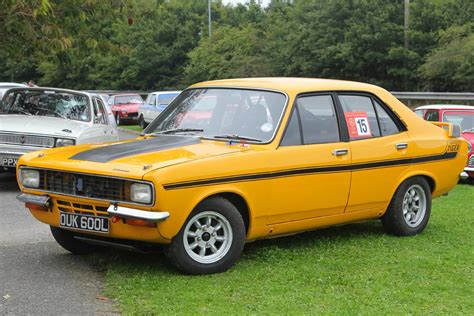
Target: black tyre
(211, 240)
(66, 240)
(410, 208)
(141, 122)
(117, 119)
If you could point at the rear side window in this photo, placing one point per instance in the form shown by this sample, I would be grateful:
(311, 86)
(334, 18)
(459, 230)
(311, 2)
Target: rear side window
(387, 125)
(360, 116)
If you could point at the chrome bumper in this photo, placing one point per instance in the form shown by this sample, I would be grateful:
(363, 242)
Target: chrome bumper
(469, 169)
(126, 212)
(42, 200)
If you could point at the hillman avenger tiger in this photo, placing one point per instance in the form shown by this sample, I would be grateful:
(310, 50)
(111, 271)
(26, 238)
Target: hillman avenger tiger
(232, 161)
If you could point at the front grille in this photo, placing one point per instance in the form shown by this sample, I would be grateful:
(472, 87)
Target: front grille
(84, 185)
(133, 114)
(471, 161)
(27, 140)
(86, 209)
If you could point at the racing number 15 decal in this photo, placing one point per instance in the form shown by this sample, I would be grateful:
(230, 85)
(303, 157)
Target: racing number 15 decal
(358, 124)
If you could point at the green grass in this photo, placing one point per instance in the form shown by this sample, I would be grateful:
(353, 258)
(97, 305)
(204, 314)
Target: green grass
(136, 128)
(352, 269)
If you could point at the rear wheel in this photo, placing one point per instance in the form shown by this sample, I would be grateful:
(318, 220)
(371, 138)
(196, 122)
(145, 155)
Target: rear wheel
(141, 122)
(410, 208)
(66, 240)
(211, 240)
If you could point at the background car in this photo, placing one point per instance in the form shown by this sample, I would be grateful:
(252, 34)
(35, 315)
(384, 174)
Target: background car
(37, 118)
(125, 107)
(4, 86)
(155, 103)
(463, 115)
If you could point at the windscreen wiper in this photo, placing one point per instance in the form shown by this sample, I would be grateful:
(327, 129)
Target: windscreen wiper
(19, 111)
(179, 130)
(237, 137)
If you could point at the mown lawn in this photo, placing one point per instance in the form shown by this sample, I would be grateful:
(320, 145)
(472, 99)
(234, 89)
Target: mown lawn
(136, 128)
(353, 269)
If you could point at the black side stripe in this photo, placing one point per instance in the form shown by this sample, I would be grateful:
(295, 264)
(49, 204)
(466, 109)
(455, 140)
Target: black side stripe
(295, 172)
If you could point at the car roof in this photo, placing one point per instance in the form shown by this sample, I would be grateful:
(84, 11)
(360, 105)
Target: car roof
(12, 84)
(290, 85)
(165, 92)
(445, 107)
(50, 88)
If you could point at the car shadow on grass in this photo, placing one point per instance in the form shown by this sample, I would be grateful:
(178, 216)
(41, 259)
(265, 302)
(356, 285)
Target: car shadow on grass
(156, 261)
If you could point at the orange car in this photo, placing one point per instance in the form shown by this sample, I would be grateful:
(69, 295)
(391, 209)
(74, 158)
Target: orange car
(275, 156)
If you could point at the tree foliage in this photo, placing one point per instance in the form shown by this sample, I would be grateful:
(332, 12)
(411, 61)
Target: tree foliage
(144, 44)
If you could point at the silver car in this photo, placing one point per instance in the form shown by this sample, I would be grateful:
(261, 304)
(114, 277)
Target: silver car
(37, 118)
(155, 103)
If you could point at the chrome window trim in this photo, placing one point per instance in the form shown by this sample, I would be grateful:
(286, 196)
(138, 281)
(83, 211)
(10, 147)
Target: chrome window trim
(95, 175)
(277, 128)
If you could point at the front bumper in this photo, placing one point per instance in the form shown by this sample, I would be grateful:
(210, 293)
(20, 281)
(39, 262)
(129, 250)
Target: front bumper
(9, 152)
(51, 206)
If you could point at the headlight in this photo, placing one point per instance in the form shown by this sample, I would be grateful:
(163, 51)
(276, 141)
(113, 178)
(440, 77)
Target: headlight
(469, 147)
(30, 178)
(141, 193)
(61, 142)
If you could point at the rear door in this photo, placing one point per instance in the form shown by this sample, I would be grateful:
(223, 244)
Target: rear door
(380, 147)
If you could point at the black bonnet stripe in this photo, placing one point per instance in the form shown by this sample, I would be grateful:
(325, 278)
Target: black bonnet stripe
(297, 172)
(117, 151)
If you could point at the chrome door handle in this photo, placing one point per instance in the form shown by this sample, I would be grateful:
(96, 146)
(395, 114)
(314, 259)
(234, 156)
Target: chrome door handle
(401, 146)
(340, 152)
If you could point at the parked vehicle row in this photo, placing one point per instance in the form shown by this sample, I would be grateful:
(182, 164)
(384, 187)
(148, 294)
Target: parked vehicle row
(456, 114)
(232, 161)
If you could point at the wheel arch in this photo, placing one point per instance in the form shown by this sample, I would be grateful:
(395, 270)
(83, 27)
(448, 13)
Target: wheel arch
(237, 200)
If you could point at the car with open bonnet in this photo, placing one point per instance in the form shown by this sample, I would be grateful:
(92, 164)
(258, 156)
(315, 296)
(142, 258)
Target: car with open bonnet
(233, 161)
(32, 119)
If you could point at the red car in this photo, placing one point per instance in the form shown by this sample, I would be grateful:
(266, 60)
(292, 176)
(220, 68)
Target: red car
(462, 115)
(125, 107)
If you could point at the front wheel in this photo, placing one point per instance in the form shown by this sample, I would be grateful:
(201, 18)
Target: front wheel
(117, 119)
(141, 122)
(410, 208)
(66, 240)
(211, 240)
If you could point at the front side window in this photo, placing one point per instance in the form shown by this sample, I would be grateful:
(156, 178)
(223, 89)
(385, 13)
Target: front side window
(152, 99)
(222, 113)
(360, 116)
(318, 119)
(52, 103)
(99, 112)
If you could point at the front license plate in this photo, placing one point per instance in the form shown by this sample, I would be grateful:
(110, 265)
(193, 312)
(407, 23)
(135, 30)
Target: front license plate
(8, 161)
(84, 222)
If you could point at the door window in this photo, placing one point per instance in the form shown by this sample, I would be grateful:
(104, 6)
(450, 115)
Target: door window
(318, 120)
(100, 115)
(360, 116)
(152, 99)
(432, 115)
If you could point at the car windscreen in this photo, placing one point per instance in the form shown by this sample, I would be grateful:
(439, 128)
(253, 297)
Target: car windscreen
(463, 118)
(46, 103)
(221, 113)
(126, 99)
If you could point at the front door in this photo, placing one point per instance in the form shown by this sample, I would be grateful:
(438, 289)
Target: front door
(314, 163)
